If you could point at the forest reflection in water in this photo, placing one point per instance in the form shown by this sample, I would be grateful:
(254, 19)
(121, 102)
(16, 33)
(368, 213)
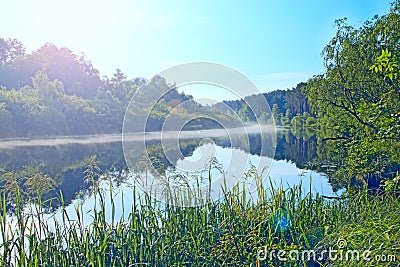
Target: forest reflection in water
(294, 159)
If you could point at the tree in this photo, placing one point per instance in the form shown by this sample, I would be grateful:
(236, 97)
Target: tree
(276, 115)
(76, 73)
(264, 118)
(285, 120)
(358, 109)
(10, 50)
(296, 101)
(118, 77)
(246, 114)
(48, 90)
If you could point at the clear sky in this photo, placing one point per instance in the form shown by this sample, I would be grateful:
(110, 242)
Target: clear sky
(275, 43)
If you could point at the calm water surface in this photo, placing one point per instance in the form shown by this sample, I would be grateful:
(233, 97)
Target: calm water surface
(288, 160)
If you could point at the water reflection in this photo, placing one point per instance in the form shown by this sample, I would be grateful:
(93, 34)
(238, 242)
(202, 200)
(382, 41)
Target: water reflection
(66, 163)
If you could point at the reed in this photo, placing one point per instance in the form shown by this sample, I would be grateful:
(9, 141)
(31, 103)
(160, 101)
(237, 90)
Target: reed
(228, 232)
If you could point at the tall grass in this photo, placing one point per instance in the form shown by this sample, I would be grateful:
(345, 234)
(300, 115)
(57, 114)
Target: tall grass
(228, 232)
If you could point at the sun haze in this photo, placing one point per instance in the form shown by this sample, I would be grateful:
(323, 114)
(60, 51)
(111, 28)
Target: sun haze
(275, 43)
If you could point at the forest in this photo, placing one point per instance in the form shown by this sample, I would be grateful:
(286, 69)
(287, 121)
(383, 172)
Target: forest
(54, 92)
(353, 107)
(289, 107)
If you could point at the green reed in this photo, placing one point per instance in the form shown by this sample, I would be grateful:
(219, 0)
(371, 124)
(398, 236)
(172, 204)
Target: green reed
(228, 232)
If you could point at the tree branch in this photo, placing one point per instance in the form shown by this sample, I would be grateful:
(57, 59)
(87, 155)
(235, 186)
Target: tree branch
(335, 138)
(342, 106)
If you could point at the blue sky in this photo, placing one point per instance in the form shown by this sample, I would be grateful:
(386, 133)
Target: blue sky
(275, 43)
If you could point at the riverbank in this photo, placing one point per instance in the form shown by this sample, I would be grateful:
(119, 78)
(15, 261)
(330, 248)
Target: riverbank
(132, 137)
(230, 232)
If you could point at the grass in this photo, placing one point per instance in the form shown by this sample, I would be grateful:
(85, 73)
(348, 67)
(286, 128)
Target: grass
(228, 232)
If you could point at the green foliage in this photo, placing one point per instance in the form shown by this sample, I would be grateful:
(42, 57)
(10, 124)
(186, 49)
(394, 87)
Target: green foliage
(357, 99)
(284, 105)
(38, 184)
(26, 185)
(160, 110)
(10, 51)
(246, 114)
(392, 185)
(46, 109)
(368, 223)
(310, 122)
(285, 120)
(52, 91)
(387, 65)
(76, 72)
(228, 232)
(276, 115)
(300, 120)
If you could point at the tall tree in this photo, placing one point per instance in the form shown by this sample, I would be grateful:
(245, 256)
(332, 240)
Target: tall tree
(10, 50)
(358, 109)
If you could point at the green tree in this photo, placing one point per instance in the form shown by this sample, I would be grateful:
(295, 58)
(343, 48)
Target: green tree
(358, 109)
(276, 115)
(285, 120)
(118, 77)
(264, 117)
(10, 50)
(245, 113)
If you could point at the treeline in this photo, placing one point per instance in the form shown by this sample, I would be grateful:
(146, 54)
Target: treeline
(288, 108)
(53, 91)
(76, 73)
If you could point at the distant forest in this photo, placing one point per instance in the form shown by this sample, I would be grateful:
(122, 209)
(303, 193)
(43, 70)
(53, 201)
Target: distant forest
(288, 108)
(53, 91)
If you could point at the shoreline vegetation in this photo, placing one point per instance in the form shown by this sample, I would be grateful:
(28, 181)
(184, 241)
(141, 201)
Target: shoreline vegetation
(228, 232)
